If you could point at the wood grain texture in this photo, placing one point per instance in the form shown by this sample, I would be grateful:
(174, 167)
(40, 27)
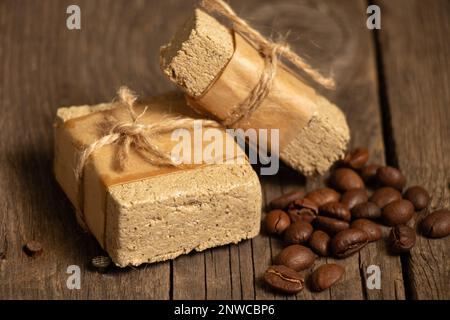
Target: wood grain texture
(415, 47)
(44, 66)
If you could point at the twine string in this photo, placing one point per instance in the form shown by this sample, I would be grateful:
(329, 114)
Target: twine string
(133, 135)
(270, 52)
(136, 135)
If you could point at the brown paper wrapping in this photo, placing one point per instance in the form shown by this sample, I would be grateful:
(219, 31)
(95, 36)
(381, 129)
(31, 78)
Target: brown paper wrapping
(288, 107)
(100, 171)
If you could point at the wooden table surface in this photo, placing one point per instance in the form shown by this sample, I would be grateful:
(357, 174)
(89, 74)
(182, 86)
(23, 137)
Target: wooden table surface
(393, 85)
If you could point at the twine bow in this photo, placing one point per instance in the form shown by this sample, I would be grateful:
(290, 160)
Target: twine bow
(137, 136)
(270, 52)
(134, 135)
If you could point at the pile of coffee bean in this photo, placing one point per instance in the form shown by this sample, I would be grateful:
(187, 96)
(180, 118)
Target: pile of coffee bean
(339, 220)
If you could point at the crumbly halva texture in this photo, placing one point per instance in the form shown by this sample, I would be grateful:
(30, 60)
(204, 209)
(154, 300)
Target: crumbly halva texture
(194, 58)
(321, 143)
(199, 52)
(167, 215)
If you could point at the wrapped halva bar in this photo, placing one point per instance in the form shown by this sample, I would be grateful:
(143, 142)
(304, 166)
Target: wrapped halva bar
(147, 213)
(218, 69)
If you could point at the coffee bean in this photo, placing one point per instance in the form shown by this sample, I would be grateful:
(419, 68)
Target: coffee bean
(368, 210)
(301, 215)
(369, 174)
(391, 177)
(353, 197)
(418, 196)
(303, 209)
(277, 221)
(286, 199)
(325, 276)
(101, 263)
(33, 248)
(320, 243)
(284, 279)
(384, 196)
(357, 158)
(397, 212)
(330, 225)
(323, 196)
(335, 210)
(298, 232)
(372, 229)
(402, 238)
(347, 242)
(436, 224)
(345, 179)
(296, 257)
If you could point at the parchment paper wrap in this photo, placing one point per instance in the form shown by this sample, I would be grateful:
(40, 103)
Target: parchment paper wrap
(100, 172)
(289, 106)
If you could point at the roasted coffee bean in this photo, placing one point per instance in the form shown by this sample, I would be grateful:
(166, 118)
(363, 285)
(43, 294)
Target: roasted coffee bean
(330, 225)
(418, 196)
(345, 179)
(286, 199)
(306, 204)
(402, 238)
(397, 212)
(368, 210)
(436, 224)
(298, 233)
(284, 279)
(303, 209)
(323, 196)
(347, 242)
(357, 158)
(335, 210)
(296, 257)
(325, 276)
(369, 174)
(384, 196)
(372, 229)
(301, 215)
(391, 177)
(320, 243)
(33, 248)
(277, 221)
(354, 197)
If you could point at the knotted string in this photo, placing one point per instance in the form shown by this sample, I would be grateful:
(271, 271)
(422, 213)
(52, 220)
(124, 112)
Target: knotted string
(132, 134)
(270, 52)
(136, 135)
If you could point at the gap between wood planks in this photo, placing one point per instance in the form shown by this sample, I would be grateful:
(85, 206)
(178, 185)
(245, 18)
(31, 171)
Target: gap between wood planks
(391, 156)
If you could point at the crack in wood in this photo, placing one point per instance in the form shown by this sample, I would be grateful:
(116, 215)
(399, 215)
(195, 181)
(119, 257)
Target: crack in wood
(362, 275)
(3, 249)
(391, 157)
(3, 243)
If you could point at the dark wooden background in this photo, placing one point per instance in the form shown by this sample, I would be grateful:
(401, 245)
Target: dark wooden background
(394, 86)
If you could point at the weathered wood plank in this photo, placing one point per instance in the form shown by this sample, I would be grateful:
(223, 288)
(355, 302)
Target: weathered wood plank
(332, 36)
(359, 98)
(242, 278)
(43, 66)
(189, 277)
(415, 50)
